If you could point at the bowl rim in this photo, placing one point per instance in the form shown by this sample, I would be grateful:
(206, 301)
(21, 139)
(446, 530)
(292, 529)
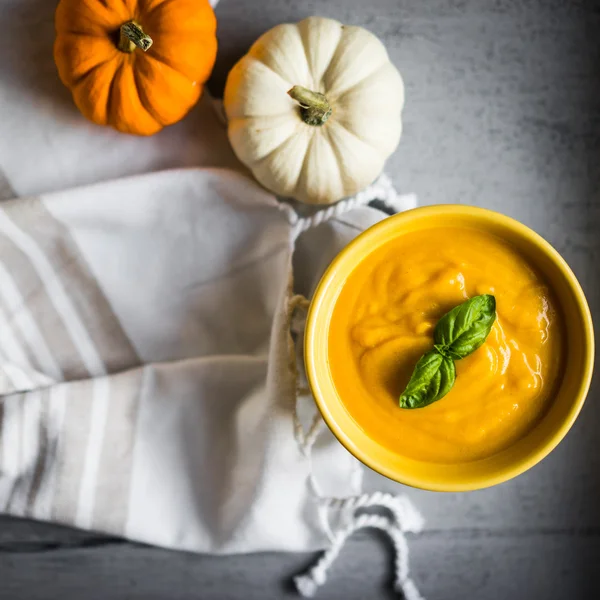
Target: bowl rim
(490, 217)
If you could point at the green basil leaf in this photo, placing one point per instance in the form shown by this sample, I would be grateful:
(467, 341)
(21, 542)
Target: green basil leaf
(431, 380)
(464, 329)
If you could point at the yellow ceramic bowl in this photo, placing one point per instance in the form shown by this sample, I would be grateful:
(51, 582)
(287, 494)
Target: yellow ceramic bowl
(529, 450)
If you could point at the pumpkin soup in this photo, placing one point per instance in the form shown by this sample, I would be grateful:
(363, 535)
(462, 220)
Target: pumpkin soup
(383, 323)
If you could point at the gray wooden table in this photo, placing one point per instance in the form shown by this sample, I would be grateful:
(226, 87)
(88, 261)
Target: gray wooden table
(503, 111)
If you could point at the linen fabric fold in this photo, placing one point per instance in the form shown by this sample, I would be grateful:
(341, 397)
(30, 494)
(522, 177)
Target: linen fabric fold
(147, 389)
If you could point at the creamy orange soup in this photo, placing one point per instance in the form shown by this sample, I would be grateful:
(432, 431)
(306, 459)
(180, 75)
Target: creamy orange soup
(383, 322)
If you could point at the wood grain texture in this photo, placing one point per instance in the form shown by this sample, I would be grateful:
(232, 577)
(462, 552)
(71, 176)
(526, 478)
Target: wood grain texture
(503, 111)
(447, 565)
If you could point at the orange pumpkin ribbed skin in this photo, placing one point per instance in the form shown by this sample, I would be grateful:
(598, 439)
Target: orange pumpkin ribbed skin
(135, 92)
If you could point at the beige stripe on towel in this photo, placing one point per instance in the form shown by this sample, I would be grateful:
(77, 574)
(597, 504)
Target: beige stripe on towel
(71, 457)
(116, 459)
(31, 432)
(41, 505)
(12, 348)
(43, 454)
(11, 440)
(29, 315)
(94, 458)
(100, 399)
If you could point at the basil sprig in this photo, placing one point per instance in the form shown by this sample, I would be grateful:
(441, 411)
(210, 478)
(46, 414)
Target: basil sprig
(431, 380)
(462, 330)
(457, 334)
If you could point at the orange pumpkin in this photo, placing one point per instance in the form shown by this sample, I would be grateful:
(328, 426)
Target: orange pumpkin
(136, 65)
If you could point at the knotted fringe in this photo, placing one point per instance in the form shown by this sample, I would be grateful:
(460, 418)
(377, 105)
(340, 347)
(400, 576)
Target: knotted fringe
(316, 576)
(382, 189)
(405, 518)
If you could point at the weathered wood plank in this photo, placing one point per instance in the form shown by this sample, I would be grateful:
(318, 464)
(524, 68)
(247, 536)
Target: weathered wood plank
(447, 566)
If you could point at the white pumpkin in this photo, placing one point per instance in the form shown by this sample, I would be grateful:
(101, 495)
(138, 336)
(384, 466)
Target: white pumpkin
(314, 109)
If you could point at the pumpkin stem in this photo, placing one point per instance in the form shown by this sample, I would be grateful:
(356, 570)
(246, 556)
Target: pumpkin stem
(131, 35)
(315, 109)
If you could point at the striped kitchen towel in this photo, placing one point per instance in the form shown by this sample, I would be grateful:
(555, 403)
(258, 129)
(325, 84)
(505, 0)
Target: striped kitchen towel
(148, 374)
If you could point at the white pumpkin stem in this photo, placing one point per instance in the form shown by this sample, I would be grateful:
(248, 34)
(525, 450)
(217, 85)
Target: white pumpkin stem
(315, 109)
(131, 35)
